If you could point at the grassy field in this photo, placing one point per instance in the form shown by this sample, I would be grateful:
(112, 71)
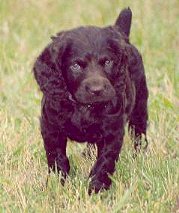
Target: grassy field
(150, 183)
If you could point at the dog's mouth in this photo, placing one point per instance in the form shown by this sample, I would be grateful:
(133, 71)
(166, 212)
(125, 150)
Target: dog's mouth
(89, 102)
(94, 99)
(111, 107)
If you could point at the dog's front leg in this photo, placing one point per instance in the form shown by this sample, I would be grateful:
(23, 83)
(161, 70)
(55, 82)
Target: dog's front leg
(108, 153)
(55, 146)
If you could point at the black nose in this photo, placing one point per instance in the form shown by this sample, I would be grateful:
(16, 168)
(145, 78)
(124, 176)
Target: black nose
(95, 89)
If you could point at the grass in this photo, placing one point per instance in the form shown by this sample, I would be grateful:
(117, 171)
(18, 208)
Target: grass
(150, 183)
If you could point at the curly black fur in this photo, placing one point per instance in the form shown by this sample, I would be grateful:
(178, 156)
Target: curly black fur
(93, 83)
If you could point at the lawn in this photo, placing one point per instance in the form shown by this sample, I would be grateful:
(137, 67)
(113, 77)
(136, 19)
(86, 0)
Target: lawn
(149, 183)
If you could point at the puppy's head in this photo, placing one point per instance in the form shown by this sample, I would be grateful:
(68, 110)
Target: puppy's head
(94, 60)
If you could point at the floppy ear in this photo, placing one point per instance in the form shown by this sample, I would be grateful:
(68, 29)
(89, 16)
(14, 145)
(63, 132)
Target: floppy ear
(47, 69)
(123, 21)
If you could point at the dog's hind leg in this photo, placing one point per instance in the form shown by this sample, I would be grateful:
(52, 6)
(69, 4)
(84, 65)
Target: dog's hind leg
(139, 116)
(90, 151)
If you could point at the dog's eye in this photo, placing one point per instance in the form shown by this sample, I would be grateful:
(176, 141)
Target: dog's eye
(75, 67)
(108, 63)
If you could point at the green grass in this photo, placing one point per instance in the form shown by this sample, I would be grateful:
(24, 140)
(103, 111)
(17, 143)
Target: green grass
(150, 183)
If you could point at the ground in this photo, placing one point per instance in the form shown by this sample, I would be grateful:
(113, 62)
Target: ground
(148, 183)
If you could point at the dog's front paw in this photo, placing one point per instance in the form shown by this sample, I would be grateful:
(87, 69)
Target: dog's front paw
(96, 185)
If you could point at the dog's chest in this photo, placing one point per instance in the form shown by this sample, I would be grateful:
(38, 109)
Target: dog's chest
(84, 125)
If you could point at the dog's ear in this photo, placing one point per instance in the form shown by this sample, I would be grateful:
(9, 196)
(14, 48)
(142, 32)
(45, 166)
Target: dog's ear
(123, 22)
(47, 69)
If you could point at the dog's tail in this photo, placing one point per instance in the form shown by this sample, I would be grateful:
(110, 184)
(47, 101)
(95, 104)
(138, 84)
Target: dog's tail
(123, 21)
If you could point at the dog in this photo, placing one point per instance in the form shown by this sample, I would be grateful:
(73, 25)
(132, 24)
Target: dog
(93, 84)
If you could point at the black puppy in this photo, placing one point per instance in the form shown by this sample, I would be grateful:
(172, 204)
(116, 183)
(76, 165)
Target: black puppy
(93, 83)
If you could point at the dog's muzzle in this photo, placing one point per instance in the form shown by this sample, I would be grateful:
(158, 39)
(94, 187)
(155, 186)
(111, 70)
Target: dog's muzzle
(95, 89)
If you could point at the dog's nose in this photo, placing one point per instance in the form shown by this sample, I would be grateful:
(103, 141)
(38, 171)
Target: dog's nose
(95, 89)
